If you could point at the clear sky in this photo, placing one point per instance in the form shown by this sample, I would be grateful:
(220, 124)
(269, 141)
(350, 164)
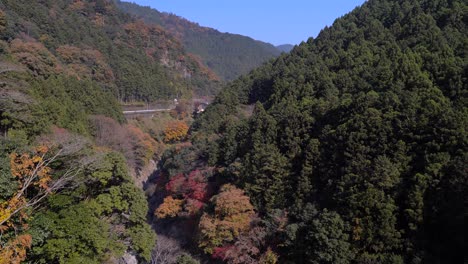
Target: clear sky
(274, 21)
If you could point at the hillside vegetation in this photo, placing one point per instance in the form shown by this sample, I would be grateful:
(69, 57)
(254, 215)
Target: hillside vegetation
(351, 149)
(228, 55)
(94, 40)
(69, 162)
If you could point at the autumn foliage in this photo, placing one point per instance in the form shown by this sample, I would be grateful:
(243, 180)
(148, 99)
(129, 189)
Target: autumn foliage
(138, 147)
(35, 56)
(232, 215)
(14, 252)
(86, 63)
(31, 172)
(33, 175)
(193, 192)
(169, 208)
(175, 131)
(193, 186)
(181, 111)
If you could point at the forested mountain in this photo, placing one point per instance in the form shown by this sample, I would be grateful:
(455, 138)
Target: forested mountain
(94, 40)
(229, 55)
(69, 163)
(285, 47)
(352, 148)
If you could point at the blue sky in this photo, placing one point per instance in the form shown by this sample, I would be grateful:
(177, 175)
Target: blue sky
(274, 21)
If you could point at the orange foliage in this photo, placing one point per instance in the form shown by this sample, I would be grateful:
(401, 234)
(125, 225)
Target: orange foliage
(144, 145)
(175, 131)
(14, 252)
(233, 213)
(84, 63)
(99, 20)
(32, 173)
(35, 56)
(169, 208)
(77, 5)
(138, 28)
(24, 166)
(204, 70)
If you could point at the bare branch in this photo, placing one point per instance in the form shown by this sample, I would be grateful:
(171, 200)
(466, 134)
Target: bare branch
(166, 251)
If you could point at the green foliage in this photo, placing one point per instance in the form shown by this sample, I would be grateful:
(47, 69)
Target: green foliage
(186, 259)
(77, 234)
(67, 102)
(7, 183)
(143, 240)
(92, 221)
(367, 120)
(228, 55)
(88, 40)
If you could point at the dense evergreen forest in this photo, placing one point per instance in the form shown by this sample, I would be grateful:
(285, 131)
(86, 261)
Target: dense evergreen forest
(350, 149)
(228, 55)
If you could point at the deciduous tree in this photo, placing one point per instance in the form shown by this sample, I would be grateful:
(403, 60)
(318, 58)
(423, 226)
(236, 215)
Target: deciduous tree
(231, 217)
(169, 208)
(175, 131)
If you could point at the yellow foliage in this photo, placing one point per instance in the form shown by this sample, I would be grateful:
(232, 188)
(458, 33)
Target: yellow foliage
(169, 208)
(175, 131)
(269, 257)
(30, 171)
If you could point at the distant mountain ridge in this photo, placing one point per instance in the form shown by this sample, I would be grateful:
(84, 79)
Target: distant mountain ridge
(228, 55)
(285, 47)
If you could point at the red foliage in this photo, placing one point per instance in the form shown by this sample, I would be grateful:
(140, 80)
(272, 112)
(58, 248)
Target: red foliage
(220, 252)
(194, 186)
(177, 185)
(193, 189)
(193, 207)
(198, 187)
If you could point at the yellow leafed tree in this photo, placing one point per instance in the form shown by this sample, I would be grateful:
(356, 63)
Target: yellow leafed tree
(33, 175)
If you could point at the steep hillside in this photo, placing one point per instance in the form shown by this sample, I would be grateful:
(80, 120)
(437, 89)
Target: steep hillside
(94, 40)
(229, 55)
(68, 160)
(352, 148)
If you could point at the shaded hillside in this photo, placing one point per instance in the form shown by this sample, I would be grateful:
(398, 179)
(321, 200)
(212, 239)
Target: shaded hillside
(229, 55)
(94, 40)
(352, 148)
